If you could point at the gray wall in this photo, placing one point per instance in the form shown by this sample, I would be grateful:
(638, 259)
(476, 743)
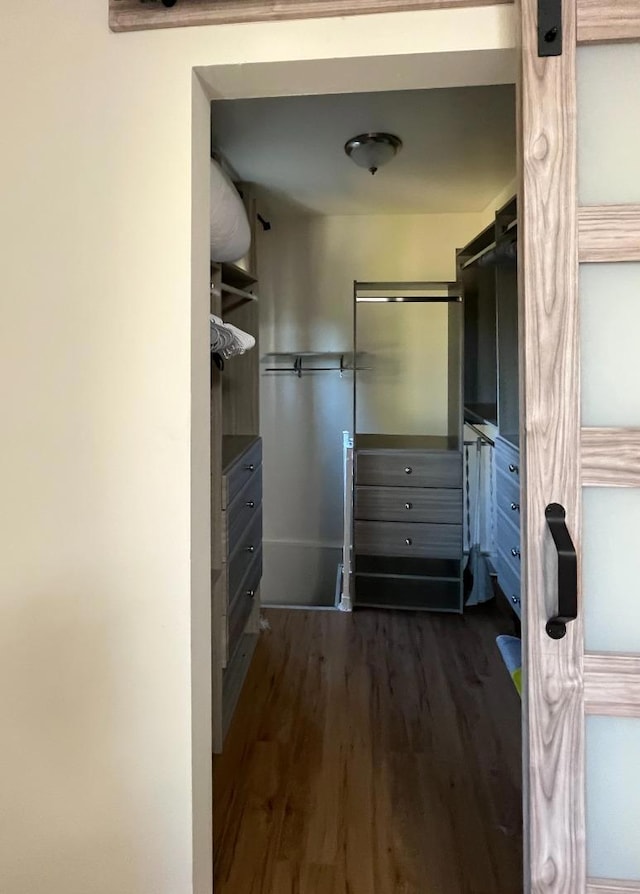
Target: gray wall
(307, 266)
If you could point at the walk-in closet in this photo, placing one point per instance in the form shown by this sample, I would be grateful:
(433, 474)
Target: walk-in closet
(365, 493)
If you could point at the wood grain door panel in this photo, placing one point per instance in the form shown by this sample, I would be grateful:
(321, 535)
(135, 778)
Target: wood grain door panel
(132, 15)
(564, 682)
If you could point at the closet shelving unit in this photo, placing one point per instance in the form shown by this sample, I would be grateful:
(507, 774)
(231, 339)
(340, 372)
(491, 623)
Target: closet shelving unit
(488, 278)
(236, 490)
(477, 280)
(233, 285)
(507, 323)
(407, 488)
(487, 271)
(301, 363)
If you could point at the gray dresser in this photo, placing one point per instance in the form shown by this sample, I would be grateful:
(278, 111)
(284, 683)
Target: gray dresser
(507, 457)
(242, 559)
(407, 537)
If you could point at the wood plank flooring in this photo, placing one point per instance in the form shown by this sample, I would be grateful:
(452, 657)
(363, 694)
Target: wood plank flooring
(372, 753)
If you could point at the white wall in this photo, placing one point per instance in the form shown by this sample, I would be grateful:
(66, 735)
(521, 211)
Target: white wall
(104, 586)
(307, 266)
(96, 573)
(404, 382)
(508, 192)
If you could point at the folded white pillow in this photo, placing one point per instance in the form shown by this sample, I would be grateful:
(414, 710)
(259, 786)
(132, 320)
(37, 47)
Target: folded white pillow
(230, 230)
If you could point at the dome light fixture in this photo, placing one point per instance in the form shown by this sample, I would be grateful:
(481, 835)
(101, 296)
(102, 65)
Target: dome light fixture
(372, 150)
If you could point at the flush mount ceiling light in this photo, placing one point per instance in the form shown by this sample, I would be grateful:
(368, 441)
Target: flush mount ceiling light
(372, 150)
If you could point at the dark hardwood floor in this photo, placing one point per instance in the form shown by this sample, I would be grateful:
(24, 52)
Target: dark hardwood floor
(372, 753)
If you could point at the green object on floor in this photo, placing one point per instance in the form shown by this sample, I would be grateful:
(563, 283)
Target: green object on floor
(511, 650)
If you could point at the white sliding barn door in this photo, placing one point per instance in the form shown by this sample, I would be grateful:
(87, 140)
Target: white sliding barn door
(579, 255)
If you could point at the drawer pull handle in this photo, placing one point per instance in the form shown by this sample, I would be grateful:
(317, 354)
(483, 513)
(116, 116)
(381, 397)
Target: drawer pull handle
(515, 553)
(515, 600)
(251, 549)
(515, 507)
(408, 470)
(556, 626)
(513, 469)
(250, 504)
(250, 467)
(408, 505)
(251, 593)
(408, 541)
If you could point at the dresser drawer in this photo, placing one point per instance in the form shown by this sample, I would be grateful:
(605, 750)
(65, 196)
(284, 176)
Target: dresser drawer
(242, 512)
(401, 539)
(508, 495)
(243, 603)
(507, 459)
(412, 504)
(409, 469)
(508, 545)
(236, 476)
(510, 585)
(241, 559)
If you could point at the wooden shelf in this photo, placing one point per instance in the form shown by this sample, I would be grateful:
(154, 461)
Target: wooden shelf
(237, 276)
(481, 413)
(233, 285)
(407, 567)
(478, 245)
(409, 593)
(233, 297)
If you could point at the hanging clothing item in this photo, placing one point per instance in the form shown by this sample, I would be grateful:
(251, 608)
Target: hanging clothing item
(227, 340)
(221, 337)
(477, 580)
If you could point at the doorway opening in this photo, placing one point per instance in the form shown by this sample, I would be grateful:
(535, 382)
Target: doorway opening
(380, 749)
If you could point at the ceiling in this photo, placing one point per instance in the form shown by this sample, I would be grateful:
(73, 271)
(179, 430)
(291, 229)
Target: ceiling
(459, 148)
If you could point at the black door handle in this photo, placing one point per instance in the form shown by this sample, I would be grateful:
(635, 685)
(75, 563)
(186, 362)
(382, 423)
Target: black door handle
(567, 572)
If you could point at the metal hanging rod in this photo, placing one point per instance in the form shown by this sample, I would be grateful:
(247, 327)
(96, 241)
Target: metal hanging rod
(406, 292)
(408, 299)
(298, 368)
